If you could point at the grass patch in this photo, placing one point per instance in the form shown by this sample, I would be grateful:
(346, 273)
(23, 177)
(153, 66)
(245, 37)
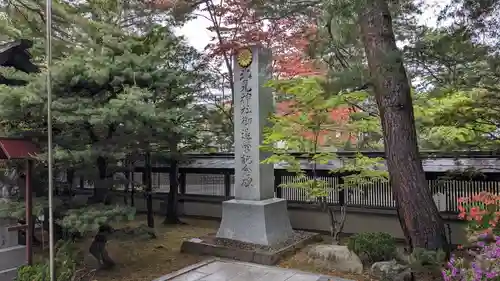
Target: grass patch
(140, 260)
(147, 260)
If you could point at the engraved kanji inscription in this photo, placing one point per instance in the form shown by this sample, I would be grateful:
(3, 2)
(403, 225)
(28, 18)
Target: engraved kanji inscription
(246, 180)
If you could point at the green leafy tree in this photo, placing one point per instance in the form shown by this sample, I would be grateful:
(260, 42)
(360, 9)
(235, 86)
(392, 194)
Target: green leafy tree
(422, 225)
(220, 128)
(458, 107)
(448, 122)
(302, 131)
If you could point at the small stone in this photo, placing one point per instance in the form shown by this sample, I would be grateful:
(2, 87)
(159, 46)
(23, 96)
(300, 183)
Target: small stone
(481, 237)
(388, 270)
(195, 240)
(404, 276)
(402, 256)
(335, 257)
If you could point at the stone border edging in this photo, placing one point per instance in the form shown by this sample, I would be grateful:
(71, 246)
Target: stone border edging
(185, 270)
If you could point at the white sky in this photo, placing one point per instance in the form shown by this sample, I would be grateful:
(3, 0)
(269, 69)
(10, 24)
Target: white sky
(198, 36)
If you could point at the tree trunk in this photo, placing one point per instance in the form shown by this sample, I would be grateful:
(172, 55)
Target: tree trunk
(127, 188)
(102, 167)
(98, 247)
(149, 189)
(132, 188)
(419, 215)
(70, 178)
(101, 186)
(129, 183)
(172, 217)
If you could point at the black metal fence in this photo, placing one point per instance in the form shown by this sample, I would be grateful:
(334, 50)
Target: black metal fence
(220, 183)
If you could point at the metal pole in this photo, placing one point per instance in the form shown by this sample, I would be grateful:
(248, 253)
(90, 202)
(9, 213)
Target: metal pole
(48, 44)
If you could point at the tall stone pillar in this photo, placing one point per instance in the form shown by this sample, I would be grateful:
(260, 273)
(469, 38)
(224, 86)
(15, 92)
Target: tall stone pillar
(254, 216)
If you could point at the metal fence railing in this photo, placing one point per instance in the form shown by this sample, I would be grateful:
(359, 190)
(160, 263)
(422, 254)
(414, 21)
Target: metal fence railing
(220, 182)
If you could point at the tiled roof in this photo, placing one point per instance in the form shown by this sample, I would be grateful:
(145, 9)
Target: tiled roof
(430, 164)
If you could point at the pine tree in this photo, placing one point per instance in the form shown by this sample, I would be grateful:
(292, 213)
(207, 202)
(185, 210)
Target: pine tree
(117, 91)
(423, 226)
(120, 86)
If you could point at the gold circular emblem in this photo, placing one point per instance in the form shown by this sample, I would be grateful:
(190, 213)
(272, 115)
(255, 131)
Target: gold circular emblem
(244, 57)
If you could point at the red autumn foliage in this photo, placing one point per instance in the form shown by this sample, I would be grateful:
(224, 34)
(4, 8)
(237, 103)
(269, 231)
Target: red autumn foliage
(236, 24)
(338, 116)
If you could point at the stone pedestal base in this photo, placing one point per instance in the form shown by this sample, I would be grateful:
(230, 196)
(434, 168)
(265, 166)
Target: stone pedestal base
(264, 222)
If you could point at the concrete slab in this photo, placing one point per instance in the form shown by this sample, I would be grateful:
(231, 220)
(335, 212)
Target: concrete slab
(227, 270)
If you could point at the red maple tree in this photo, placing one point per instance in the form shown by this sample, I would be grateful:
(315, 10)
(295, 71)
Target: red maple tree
(237, 23)
(338, 116)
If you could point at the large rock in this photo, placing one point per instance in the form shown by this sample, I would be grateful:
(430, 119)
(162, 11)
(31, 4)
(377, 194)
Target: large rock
(402, 256)
(390, 271)
(335, 257)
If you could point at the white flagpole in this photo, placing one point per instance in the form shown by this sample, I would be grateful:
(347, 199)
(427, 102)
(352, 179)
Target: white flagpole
(48, 45)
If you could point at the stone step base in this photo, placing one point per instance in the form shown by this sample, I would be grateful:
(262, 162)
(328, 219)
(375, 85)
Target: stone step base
(268, 220)
(8, 274)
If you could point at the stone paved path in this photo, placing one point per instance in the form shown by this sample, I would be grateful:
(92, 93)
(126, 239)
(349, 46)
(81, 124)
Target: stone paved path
(226, 270)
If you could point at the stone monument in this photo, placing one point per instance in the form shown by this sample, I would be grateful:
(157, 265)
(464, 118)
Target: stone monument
(255, 215)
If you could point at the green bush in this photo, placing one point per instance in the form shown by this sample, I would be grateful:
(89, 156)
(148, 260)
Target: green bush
(65, 266)
(373, 246)
(424, 260)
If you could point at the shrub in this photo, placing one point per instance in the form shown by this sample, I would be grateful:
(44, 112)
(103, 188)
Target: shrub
(482, 211)
(423, 260)
(373, 246)
(484, 266)
(64, 263)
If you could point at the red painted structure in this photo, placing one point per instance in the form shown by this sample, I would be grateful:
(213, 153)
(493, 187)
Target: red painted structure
(16, 149)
